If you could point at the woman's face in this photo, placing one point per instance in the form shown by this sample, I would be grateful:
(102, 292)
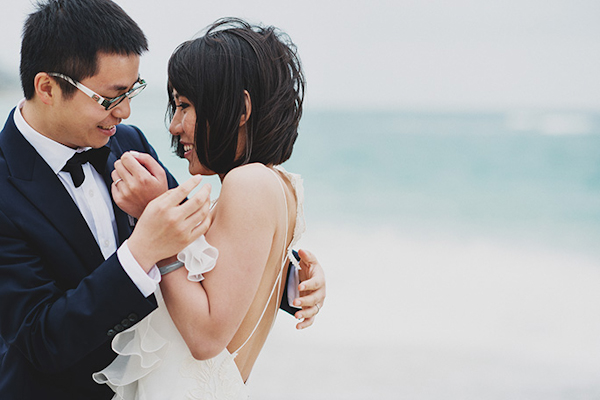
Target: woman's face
(184, 126)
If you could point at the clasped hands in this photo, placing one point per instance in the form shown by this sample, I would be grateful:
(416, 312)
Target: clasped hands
(167, 223)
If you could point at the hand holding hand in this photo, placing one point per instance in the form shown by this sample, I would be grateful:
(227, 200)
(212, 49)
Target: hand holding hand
(167, 225)
(312, 289)
(137, 179)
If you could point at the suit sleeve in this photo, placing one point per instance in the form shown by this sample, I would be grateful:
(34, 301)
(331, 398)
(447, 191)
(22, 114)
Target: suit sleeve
(54, 327)
(56, 306)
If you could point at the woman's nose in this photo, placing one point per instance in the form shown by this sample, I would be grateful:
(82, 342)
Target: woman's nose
(175, 126)
(173, 129)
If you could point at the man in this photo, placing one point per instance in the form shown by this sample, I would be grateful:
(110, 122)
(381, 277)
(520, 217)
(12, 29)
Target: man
(72, 273)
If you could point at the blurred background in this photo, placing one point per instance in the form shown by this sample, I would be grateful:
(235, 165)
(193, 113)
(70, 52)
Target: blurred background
(451, 157)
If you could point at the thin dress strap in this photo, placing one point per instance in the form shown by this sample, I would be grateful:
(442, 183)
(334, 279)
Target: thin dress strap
(279, 275)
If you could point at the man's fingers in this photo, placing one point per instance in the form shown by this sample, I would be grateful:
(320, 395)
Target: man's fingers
(307, 315)
(314, 283)
(316, 280)
(121, 171)
(134, 166)
(148, 162)
(305, 323)
(306, 257)
(309, 311)
(309, 300)
(115, 176)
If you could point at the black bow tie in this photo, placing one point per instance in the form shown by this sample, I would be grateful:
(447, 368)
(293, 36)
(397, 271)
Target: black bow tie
(96, 157)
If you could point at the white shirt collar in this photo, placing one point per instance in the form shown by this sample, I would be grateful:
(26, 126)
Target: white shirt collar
(55, 154)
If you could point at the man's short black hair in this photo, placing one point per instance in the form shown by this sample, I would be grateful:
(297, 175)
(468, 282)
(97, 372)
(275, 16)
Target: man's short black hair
(66, 36)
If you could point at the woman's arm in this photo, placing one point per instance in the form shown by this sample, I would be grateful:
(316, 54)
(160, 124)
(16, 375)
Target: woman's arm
(209, 313)
(140, 179)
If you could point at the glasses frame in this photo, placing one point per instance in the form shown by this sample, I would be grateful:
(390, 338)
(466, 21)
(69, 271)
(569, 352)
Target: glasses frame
(107, 103)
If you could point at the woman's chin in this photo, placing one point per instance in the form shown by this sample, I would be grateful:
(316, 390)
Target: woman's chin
(193, 170)
(197, 169)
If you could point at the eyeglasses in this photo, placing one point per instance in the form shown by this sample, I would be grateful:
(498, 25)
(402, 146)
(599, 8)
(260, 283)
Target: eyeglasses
(107, 103)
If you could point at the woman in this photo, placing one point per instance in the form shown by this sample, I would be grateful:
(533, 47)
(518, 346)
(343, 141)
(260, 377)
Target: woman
(235, 103)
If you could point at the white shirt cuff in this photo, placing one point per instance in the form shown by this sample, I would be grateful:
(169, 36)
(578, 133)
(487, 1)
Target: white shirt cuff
(292, 287)
(145, 282)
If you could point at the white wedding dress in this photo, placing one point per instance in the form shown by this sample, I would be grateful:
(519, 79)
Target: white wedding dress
(153, 361)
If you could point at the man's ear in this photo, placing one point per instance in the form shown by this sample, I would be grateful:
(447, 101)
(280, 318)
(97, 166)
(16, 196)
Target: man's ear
(46, 88)
(246, 115)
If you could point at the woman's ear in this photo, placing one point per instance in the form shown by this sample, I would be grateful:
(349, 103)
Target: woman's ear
(45, 87)
(248, 109)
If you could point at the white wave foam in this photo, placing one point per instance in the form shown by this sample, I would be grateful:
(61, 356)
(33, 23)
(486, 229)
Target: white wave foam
(551, 123)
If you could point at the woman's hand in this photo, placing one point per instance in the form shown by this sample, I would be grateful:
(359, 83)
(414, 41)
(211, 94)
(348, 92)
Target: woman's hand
(312, 289)
(168, 224)
(137, 179)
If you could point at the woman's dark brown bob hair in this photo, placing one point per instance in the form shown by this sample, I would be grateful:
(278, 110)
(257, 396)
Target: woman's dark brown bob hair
(213, 71)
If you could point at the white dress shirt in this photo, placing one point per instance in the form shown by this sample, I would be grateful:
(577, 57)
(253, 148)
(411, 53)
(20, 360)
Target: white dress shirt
(93, 200)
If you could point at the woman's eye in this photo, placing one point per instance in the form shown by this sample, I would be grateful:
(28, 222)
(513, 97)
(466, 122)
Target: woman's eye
(183, 106)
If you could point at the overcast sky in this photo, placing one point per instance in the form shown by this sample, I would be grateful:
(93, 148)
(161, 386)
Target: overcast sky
(399, 54)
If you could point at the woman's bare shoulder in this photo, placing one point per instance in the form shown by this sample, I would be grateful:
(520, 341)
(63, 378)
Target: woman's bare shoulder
(252, 184)
(250, 178)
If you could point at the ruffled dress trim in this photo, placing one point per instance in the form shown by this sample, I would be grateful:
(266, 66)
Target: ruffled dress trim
(199, 258)
(141, 348)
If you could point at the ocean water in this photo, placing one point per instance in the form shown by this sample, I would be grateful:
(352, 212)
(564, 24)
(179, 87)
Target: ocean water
(461, 253)
(462, 174)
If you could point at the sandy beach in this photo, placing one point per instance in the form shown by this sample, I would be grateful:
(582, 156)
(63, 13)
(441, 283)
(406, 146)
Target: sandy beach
(408, 318)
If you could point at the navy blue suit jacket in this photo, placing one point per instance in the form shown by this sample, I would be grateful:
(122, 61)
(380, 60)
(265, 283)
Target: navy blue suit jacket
(60, 301)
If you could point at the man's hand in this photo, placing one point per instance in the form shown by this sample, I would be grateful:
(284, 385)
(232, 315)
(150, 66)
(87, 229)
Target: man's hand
(137, 179)
(312, 289)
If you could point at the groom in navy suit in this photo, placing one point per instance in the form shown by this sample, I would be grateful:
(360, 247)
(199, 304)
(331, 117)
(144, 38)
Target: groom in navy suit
(73, 270)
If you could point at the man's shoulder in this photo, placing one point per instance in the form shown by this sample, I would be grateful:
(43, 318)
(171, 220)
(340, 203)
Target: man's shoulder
(8, 126)
(130, 137)
(128, 132)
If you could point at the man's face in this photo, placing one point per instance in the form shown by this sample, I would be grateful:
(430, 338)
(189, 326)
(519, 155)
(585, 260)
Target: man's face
(81, 122)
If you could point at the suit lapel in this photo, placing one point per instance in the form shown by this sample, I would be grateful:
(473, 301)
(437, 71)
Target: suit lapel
(36, 181)
(123, 227)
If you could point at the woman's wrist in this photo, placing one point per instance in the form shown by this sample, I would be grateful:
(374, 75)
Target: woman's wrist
(166, 261)
(170, 267)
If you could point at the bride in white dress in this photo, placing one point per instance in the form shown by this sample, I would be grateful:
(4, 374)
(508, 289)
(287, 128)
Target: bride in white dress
(235, 100)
